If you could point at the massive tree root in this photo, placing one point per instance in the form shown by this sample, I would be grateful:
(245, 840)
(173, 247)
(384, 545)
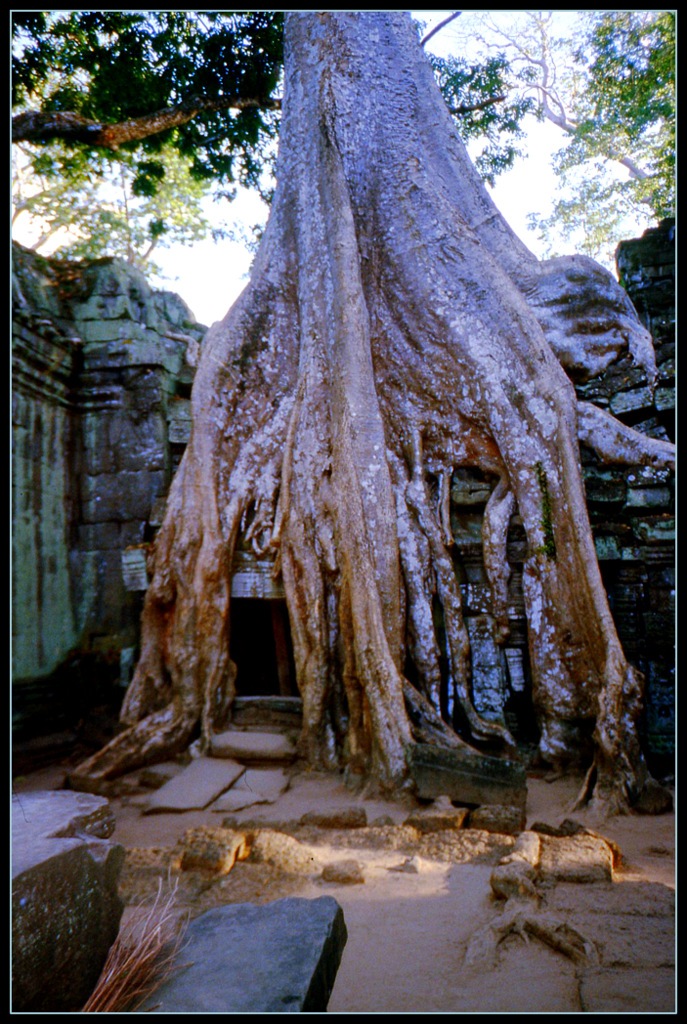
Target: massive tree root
(394, 329)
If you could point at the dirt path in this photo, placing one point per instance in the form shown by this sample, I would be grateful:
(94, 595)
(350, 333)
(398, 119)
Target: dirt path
(424, 899)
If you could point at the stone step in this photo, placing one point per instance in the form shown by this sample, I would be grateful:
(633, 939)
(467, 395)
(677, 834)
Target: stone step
(267, 713)
(250, 745)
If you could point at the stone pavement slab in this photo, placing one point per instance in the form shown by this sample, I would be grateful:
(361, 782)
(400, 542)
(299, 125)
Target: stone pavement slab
(255, 786)
(279, 957)
(196, 786)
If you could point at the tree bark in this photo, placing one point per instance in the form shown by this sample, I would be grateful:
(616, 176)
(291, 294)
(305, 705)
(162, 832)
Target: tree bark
(394, 329)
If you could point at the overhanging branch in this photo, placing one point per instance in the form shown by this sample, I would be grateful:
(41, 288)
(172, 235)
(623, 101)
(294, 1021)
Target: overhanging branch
(468, 108)
(41, 126)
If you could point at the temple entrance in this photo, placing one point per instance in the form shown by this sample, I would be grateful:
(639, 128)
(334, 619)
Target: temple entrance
(261, 648)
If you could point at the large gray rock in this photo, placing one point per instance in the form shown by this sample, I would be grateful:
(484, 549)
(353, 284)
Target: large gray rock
(281, 957)
(65, 907)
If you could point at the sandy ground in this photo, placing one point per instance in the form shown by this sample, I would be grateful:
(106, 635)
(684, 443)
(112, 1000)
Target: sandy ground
(408, 932)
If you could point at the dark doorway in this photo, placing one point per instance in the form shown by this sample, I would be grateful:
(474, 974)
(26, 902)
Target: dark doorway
(261, 648)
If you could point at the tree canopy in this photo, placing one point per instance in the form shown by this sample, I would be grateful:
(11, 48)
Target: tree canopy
(205, 84)
(90, 209)
(109, 96)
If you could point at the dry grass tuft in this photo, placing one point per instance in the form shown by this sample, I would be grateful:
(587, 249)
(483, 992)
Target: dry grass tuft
(142, 956)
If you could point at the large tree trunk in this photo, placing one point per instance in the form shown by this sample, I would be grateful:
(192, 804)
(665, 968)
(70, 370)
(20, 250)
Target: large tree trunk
(394, 329)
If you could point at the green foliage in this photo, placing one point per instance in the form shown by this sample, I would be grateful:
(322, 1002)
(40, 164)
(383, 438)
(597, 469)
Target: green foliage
(628, 109)
(478, 96)
(623, 117)
(99, 211)
(116, 65)
(612, 89)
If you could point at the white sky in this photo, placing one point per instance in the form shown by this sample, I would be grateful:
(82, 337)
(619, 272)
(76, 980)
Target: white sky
(209, 275)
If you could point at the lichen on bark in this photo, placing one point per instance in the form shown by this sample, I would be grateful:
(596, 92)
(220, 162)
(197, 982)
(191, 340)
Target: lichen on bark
(394, 329)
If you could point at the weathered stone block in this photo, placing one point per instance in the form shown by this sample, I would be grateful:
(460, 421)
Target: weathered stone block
(656, 530)
(135, 568)
(283, 852)
(281, 957)
(438, 818)
(179, 419)
(631, 401)
(343, 872)
(121, 496)
(255, 786)
(577, 858)
(466, 776)
(488, 668)
(213, 850)
(504, 819)
(173, 309)
(607, 548)
(344, 817)
(65, 907)
(648, 497)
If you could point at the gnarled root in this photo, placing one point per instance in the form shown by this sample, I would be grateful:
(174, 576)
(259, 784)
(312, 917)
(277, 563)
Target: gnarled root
(497, 515)
(448, 591)
(520, 920)
(615, 442)
(160, 734)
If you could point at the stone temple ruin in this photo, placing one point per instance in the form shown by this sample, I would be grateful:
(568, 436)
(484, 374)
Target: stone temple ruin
(102, 373)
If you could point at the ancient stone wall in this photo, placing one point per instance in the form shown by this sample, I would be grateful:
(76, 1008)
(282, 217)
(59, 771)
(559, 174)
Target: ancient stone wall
(102, 369)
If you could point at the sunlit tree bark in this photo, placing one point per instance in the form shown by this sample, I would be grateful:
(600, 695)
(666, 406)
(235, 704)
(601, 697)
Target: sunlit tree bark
(393, 330)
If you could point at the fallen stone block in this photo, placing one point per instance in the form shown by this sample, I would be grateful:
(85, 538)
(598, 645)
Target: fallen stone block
(412, 866)
(466, 776)
(527, 848)
(65, 907)
(280, 957)
(578, 858)
(196, 786)
(508, 821)
(214, 850)
(283, 852)
(438, 818)
(63, 813)
(253, 746)
(158, 775)
(344, 817)
(345, 872)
